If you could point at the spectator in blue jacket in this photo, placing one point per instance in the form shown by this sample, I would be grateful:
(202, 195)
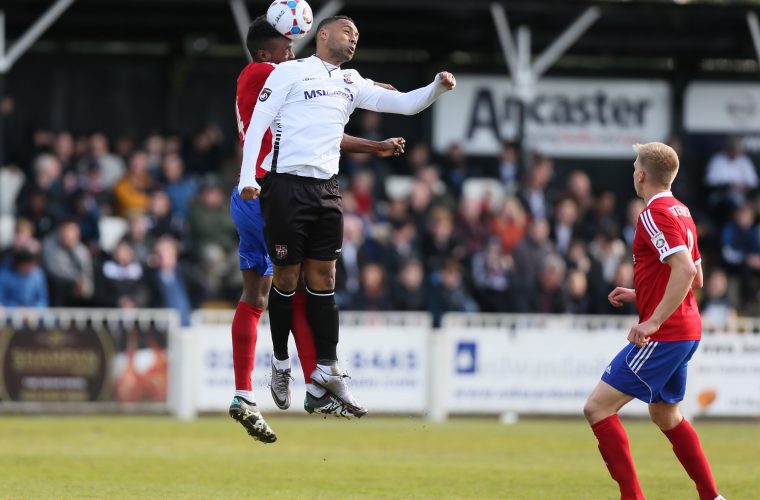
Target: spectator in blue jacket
(22, 281)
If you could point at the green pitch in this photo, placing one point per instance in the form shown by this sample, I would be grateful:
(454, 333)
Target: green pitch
(158, 457)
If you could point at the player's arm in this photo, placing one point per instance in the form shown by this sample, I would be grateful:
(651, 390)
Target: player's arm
(698, 278)
(375, 98)
(270, 100)
(682, 274)
(620, 295)
(393, 146)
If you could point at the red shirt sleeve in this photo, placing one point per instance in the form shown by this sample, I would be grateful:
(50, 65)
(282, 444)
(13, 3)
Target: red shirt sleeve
(665, 235)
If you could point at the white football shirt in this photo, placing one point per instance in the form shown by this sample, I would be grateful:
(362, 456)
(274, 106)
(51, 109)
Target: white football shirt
(307, 103)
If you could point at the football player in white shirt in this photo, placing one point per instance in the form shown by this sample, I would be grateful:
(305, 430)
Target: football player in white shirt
(306, 104)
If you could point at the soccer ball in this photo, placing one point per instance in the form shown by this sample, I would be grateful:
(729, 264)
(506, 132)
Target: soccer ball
(292, 18)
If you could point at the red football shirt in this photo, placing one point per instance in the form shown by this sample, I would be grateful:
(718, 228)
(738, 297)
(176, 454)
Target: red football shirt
(249, 85)
(664, 228)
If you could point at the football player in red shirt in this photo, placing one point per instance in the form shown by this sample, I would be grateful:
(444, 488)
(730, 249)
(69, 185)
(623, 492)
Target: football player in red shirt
(268, 48)
(652, 367)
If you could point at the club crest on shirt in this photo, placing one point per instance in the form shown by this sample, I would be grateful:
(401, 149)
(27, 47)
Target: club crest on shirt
(264, 95)
(658, 240)
(347, 78)
(281, 251)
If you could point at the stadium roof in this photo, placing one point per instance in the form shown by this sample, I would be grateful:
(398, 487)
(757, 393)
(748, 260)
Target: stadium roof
(652, 34)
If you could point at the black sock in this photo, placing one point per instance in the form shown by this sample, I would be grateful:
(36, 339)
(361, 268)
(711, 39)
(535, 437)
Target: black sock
(322, 313)
(280, 313)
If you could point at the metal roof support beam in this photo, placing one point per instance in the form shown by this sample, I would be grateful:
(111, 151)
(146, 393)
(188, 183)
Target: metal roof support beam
(330, 9)
(571, 35)
(505, 38)
(754, 29)
(31, 35)
(242, 21)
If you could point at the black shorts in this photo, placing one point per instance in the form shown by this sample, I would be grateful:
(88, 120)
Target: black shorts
(303, 218)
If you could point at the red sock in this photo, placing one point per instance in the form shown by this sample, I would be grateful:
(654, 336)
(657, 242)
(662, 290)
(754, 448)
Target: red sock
(613, 444)
(688, 449)
(244, 333)
(304, 337)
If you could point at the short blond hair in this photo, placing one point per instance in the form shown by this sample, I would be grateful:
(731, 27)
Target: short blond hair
(658, 160)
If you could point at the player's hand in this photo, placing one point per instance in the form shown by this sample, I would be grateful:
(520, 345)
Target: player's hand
(620, 295)
(640, 333)
(391, 147)
(386, 86)
(447, 80)
(248, 193)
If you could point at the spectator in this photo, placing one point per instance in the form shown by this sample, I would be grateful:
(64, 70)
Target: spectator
(12, 180)
(608, 250)
(160, 218)
(373, 293)
(139, 237)
(23, 239)
(716, 307)
(348, 267)
(155, 146)
(509, 167)
(110, 166)
(47, 179)
(510, 223)
(85, 210)
(471, 224)
(410, 294)
(402, 246)
(68, 265)
(565, 227)
(22, 281)
(132, 192)
(528, 257)
(122, 282)
(578, 187)
(363, 187)
(439, 243)
(549, 296)
(448, 292)
(213, 236)
(579, 301)
(168, 281)
(623, 277)
(37, 209)
(457, 169)
(632, 212)
(491, 269)
(740, 245)
(178, 187)
(730, 176)
(534, 195)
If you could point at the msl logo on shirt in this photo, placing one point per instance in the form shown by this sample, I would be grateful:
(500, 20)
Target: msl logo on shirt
(345, 92)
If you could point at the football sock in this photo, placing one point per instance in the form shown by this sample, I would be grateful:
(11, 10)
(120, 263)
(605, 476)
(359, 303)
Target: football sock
(304, 338)
(280, 313)
(281, 364)
(616, 452)
(245, 395)
(688, 449)
(315, 390)
(322, 313)
(244, 333)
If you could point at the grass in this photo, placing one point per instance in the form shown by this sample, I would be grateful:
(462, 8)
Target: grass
(158, 457)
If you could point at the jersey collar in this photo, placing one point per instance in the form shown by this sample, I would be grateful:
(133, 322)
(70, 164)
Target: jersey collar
(663, 194)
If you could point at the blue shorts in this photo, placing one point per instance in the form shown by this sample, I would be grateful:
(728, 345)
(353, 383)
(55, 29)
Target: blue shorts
(654, 373)
(249, 221)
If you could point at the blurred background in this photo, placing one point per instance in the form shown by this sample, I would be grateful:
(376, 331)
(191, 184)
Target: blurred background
(119, 151)
(474, 270)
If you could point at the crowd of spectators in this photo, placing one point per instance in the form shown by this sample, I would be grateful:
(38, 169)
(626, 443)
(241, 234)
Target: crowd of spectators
(439, 234)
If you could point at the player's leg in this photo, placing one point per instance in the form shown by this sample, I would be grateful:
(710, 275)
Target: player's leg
(302, 334)
(686, 445)
(256, 270)
(601, 411)
(619, 385)
(287, 215)
(322, 312)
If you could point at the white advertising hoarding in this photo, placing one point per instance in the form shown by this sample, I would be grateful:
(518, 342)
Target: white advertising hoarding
(388, 368)
(568, 117)
(722, 107)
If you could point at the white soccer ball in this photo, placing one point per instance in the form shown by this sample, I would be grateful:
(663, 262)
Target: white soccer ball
(292, 18)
